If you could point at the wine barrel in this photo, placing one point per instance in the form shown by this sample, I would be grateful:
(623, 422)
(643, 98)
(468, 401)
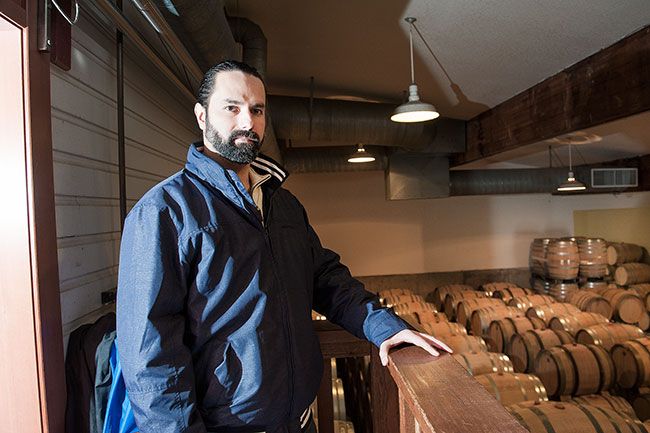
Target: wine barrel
(542, 286)
(619, 253)
(443, 329)
(525, 302)
(339, 399)
(632, 361)
(593, 257)
(453, 299)
(484, 363)
(632, 273)
(562, 290)
(524, 348)
(512, 291)
(572, 323)
(387, 293)
(547, 312)
(608, 334)
(594, 285)
(493, 286)
(431, 317)
(628, 306)
(501, 331)
(643, 290)
(575, 369)
(608, 401)
(415, 306)
(391, 300)
(641, 404)
(512, 388)
(537, 256)
(567, 417)
(591, 302)
(481, 318)
(466, 343)
(441, 292)
(644, 322)
(412, 319)
(562, 259)
(465, 308)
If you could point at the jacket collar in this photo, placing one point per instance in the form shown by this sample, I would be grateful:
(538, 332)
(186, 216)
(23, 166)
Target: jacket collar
(227, 181)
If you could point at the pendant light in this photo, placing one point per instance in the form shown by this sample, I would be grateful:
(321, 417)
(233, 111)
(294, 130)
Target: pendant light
(571, 184)
(360, 155)
(413, 110)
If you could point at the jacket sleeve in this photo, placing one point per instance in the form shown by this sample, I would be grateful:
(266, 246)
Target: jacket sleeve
(344, 300)
(157, 365)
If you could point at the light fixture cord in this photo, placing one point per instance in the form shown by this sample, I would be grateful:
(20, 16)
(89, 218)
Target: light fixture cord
(411, 45)
(570, 165)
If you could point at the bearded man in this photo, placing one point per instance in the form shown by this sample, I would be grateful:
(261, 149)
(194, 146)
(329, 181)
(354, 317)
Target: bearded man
(219, 271)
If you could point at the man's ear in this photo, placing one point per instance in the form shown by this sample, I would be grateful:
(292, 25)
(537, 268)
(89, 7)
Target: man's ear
(199, 112)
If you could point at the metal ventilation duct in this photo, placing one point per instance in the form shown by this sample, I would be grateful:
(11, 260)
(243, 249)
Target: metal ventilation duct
(331, 159)
(509, 181)
(335, 121)
(204, 22)
(253, 41)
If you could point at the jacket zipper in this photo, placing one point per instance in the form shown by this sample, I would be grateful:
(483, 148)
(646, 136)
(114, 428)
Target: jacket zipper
(283, 305)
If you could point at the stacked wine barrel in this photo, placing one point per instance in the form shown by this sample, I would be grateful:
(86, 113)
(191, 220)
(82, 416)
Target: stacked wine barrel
(580, 347)
(626, 258)
(555, 264)
(588, 349)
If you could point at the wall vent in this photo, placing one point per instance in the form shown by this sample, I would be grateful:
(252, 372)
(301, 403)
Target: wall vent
(614, 177)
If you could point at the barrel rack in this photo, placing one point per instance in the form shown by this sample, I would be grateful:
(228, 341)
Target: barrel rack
(416, 392)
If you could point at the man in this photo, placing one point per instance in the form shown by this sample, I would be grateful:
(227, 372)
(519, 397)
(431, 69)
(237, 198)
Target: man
(219, 271)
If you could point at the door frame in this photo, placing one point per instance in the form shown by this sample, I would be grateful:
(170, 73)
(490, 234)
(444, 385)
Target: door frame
(40, 269)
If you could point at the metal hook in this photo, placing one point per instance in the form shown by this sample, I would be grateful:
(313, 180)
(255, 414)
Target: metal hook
(71, 21)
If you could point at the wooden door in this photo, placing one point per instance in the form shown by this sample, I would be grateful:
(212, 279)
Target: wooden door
(31, 350)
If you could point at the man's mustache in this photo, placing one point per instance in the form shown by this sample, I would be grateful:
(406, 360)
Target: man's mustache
(251, 135)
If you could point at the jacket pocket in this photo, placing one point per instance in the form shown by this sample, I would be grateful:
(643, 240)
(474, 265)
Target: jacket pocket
(229, 373)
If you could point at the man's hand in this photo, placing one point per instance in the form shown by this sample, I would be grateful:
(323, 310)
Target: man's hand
(425, 341)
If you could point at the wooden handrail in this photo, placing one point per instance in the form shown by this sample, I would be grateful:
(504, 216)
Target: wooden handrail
(417, 392)
(440, 395)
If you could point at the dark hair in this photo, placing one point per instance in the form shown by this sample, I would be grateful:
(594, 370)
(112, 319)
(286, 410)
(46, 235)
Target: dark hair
(207, 84)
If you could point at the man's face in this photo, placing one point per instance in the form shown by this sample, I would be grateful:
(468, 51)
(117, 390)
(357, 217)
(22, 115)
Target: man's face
(233, 125)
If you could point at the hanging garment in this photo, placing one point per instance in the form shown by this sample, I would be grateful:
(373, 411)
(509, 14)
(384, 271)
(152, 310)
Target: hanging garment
(80, 370)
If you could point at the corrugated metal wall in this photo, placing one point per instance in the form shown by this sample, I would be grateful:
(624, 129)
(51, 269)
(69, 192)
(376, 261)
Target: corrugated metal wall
(159, 124)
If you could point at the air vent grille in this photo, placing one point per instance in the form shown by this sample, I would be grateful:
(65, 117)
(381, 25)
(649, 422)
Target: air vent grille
(614, 177)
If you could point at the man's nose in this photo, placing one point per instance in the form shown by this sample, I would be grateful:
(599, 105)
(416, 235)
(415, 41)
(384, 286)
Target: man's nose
(245, 120)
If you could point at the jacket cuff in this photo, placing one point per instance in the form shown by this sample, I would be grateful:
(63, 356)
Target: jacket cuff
(382, 324)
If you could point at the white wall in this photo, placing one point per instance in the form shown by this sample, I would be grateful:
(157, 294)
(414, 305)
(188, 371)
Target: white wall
(159, 125)
(379, 237)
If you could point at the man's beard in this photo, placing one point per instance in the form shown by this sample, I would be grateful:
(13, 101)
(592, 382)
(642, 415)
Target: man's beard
(239, 153)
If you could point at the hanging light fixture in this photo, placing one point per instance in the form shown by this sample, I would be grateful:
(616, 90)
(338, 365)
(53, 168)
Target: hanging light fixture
(360, 155)
(413, 110)
(571, 184)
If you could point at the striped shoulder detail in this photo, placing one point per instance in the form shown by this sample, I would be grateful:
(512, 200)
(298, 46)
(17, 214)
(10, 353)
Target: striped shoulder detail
(304, 418)
(268, 165)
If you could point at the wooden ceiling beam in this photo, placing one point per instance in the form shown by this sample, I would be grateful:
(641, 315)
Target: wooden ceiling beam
(611, 84)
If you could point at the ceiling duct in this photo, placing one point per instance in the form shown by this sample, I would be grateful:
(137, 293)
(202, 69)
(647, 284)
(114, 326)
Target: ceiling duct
(253, 42)
(204, 22)
(509, 181)
(336, 121)
(538, 180)
(331, 159)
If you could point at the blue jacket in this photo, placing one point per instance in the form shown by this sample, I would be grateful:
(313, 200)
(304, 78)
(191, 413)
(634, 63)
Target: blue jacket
(214, 307)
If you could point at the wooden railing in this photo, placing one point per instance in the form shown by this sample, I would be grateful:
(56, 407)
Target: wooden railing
(416, 392)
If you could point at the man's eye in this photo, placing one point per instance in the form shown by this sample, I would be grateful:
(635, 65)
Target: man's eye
(258, 111)
(232, 108)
